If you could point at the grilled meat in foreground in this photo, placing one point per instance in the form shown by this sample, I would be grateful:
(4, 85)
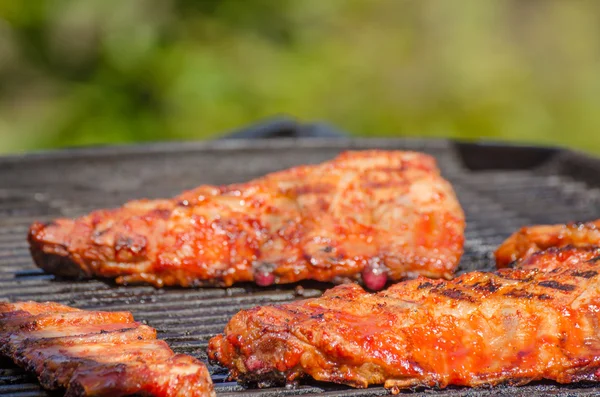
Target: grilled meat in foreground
(531, 239)
(96, 353)
(369, 216)
(540, 321)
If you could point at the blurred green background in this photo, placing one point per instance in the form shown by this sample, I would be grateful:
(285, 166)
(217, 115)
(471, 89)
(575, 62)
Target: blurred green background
(79, 72)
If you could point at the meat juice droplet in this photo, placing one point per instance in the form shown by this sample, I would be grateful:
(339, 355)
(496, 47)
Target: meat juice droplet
(264, 279)
(374, 277)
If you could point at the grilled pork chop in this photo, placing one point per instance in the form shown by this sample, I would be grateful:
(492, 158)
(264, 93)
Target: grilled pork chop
(540, 321)
(531, 239)
(96, 353)
(368, 215)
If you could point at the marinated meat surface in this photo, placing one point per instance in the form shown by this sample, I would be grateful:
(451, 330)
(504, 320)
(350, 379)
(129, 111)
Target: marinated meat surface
(92, 353)
(531, 239)
(366, 215)
(538, 321)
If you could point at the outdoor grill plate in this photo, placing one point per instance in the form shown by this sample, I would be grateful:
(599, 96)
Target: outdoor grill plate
(501, 188)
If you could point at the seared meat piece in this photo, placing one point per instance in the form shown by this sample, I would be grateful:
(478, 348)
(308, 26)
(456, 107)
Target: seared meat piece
(96, 353)
(369, 215)
(537, 238)
(540, 321)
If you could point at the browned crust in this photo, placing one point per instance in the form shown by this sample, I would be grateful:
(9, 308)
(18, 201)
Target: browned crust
(53, 258)
(365, 216)
(531, 239)
(537, 321)
(96, 353)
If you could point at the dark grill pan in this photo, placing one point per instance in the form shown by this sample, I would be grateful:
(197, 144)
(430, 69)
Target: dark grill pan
(500, 187)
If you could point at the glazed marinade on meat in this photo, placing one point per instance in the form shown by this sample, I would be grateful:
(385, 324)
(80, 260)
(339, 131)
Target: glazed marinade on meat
(366, 216)
(90, 353)
(531, 239)
(538, 321)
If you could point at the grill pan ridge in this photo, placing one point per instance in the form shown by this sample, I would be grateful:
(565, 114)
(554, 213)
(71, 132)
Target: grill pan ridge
(500, 188)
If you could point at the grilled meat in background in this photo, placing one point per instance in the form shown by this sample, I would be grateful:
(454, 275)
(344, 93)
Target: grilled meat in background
(367, 215)
(538, 321)
(92, 353)
(531, 239)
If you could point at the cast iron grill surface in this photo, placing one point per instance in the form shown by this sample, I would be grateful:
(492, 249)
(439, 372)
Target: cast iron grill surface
(500, 187)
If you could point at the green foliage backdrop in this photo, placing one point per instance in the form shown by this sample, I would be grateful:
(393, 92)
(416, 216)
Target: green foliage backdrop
(77, 72)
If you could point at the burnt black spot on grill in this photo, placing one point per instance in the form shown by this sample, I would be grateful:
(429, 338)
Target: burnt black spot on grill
(454, 294)
(556, 285)
(594, 260)
(489, 286)
(424, 285)
(522, 294)
(588, 274)
(518, 293)
(515, 276)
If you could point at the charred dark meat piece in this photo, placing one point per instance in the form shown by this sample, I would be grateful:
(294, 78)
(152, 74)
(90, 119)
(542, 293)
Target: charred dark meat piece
(531, 239)
(96, 353)
(538, 321)
(370, 216)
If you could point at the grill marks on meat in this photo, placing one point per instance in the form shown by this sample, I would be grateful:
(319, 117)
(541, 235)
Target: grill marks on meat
(96, 353)
(531, 239)
(370, 215)
(538, 321)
